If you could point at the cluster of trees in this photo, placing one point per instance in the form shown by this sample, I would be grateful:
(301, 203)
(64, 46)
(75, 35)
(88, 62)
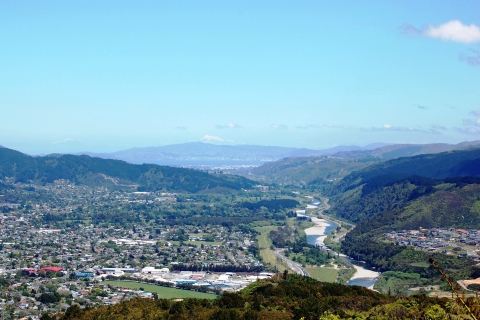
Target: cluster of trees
(271, 205)
(49, 297)
(313, 256)
(282, 237)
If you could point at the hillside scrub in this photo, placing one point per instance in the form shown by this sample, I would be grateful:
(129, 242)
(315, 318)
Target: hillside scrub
(284, 297)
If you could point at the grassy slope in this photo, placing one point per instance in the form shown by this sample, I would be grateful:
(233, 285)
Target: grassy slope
(264, 244)
(323, 274)
(307, 169)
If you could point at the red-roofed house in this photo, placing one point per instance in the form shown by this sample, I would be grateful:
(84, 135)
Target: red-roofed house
(51, 269)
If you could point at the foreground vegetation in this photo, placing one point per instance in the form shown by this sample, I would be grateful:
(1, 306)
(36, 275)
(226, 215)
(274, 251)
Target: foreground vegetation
(284, 297)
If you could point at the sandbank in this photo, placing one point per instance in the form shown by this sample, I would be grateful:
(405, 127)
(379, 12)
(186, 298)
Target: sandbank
(361, 273)
(319, 230)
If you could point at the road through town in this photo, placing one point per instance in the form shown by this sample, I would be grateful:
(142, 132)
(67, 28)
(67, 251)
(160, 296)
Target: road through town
(290, 264)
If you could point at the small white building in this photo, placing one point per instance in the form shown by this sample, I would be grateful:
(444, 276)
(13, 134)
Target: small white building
(224, 278)
(152, 270)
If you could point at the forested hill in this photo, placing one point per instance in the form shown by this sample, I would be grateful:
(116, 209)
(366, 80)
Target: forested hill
(454, 203)
(393, 184)
(429, 191)
(309, 170)
(432, 166)
(95, 171)
(318, 171)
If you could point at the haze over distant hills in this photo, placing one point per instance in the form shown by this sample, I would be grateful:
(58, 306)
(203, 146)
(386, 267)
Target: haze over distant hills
(22, 168)
(198, 153)
(407, 150)
(205, 154)
(307, 169)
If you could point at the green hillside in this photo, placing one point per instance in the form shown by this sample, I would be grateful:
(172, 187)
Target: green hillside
(448, 205)
(429, 191)
(433, 166)
(309, 170)
(392, 184)
(319, 170)
(410, 150)
(114, 173)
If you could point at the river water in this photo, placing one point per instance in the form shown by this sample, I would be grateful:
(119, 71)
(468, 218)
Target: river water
(316, 235)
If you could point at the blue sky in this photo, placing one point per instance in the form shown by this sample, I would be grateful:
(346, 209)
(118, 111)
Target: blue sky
(111, 75)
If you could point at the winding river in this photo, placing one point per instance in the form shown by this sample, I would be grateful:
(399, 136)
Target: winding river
(317, 234)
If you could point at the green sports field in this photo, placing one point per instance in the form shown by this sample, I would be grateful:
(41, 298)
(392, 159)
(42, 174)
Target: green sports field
(163, 292)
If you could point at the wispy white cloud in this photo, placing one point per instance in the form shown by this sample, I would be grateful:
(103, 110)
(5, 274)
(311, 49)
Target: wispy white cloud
(437, 127)
(472, 125)
(342, 126)
(181, 128)
(211, 138)
(468, 131)
(453, 30)
(410, 30)
(62, 141)
(309, 126)
(229, 125)
(473, 60)
(456, 31)
(279, 126)
(470, 122)
(385, 127)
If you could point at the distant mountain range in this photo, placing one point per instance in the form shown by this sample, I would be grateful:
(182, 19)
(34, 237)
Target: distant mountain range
(408, 150)
(310, 169)
(198, 153)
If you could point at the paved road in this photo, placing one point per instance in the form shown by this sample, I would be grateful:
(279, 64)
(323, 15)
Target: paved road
(291, 265)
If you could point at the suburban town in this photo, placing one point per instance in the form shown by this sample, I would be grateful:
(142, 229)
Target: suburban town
(50, 260)
(461, 242)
